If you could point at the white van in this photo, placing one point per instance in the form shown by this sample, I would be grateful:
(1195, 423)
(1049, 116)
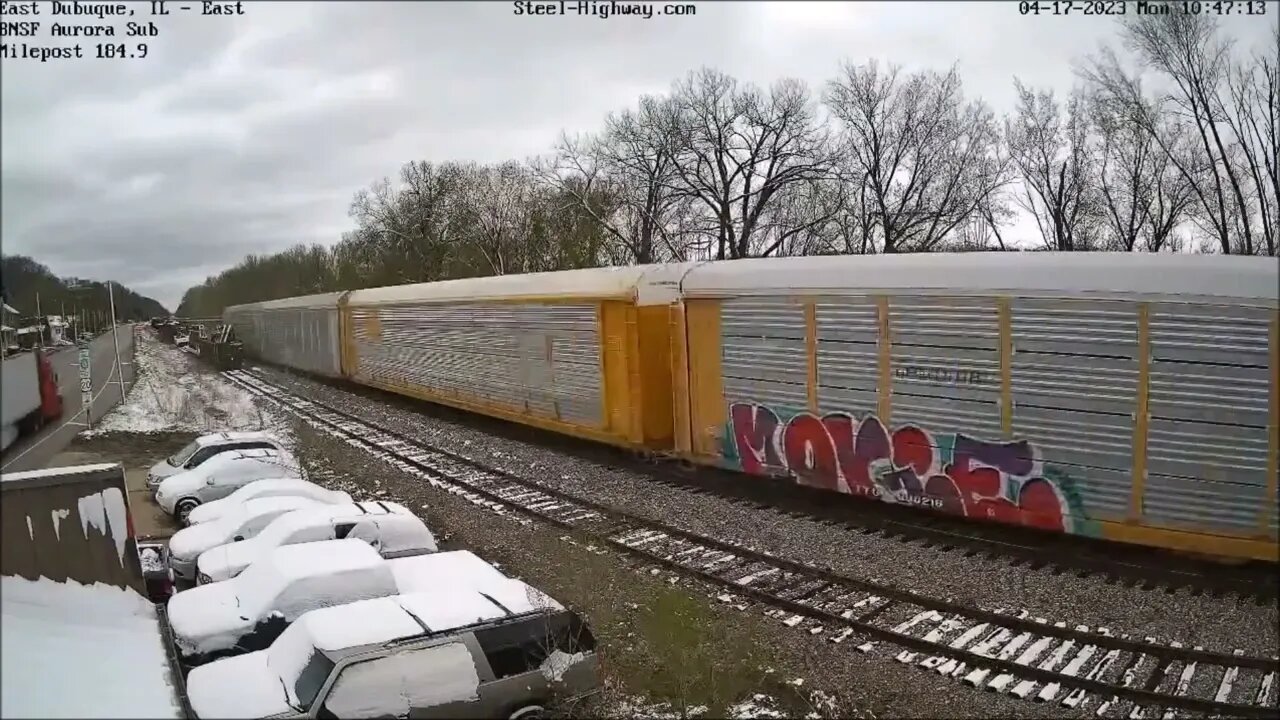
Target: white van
(207, 446)
(220, 476)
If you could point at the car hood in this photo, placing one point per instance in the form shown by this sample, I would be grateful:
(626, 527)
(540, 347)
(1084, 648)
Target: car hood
(207, 618)
(237, 687)
(178, 483)
(209, 512)
(189, 543)
(163, 469)
(226, 561)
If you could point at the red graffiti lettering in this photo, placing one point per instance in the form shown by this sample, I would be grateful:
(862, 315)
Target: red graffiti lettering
(810, 453)
(966, 476)
(753, 429)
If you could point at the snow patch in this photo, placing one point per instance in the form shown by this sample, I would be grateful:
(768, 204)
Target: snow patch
(58, 517)
(170, 395)
(105, 511)
(83, 650)
(638, 707)
(557, 663)
(118, 517)
(151, 560)
(31, 531)
(759, 706)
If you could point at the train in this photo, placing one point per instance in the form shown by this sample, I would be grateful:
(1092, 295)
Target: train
(1128, 397)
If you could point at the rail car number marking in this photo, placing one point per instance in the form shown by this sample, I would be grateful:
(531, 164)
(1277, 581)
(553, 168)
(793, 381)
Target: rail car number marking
(939, 375)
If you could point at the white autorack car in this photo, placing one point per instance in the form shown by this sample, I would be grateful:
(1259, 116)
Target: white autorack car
(267, 488)
(244, 522)
(220, 476)
(250, 611)
(388, 527)
(207, 446)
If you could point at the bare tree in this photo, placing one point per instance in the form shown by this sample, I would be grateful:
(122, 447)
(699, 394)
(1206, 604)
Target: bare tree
(927, 158)
(1052, 154)
(631, 163)
(1143, 197)
(738, 149)
(1196, 62)
(500, 206)
(1252, 111)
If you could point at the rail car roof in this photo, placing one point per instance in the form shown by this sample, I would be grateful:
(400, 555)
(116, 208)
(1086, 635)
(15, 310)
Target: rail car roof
(1178, 276)
(322, 301)
(645, 284)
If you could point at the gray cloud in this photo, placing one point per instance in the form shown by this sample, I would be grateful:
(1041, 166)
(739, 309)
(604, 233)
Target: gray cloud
(248, 134)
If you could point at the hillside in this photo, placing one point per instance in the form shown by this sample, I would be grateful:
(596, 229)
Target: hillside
(22, 278)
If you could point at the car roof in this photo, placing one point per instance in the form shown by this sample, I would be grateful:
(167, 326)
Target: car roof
(234, 436)
(326, 557)
(418, 573)
(273, 503)
(343, 511)
(250, 453)
(342, 628)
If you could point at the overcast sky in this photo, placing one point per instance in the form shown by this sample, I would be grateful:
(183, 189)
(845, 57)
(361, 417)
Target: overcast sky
(248, 134)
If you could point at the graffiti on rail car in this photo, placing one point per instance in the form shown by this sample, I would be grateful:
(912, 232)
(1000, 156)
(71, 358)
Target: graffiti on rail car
(948, 472)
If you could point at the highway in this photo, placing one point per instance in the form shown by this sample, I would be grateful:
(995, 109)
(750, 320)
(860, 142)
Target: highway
(35, 451)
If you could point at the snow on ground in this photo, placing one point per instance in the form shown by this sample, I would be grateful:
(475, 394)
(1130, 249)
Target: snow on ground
(759, 706)
(174, 393)
(77, 651)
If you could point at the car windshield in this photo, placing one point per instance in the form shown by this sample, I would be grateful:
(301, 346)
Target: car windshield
(183, 455)
(301, 668)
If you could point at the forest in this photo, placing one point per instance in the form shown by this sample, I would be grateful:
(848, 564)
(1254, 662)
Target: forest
(1168, 143)
(28, 286)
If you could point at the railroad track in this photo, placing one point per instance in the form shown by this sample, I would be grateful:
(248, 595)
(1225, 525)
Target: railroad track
(1005, 651)
(1060, 553)
(1142, 567)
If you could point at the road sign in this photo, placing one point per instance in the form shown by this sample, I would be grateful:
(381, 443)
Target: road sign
(86, 381)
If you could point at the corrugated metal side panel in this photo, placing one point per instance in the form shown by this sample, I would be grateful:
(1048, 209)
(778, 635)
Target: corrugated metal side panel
(946, 364)
(848, 355)
(301, 339)
(763, 352)
(1074, 388)
(496, 353)
(1209, 405)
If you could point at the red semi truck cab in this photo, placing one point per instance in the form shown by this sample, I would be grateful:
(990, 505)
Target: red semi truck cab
(50, 395)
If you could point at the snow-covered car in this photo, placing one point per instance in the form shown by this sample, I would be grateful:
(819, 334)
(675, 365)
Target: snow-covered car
(245, 522)
(205, 447)
(249, 612)
(477, 649)
(388, 527)
(220, 476)
(266, 488)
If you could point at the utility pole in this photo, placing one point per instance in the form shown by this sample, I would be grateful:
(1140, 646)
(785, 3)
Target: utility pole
(39, 323)
(111, 298)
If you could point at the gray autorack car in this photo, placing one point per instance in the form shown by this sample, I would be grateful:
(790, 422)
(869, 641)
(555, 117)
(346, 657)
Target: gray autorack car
(472, 650)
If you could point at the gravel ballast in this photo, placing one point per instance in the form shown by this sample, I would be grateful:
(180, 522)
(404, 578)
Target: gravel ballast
(1215, 623)
(661, 638)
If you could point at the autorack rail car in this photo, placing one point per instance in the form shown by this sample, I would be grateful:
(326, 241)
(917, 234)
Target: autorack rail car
(300, 332)
(1122, 396)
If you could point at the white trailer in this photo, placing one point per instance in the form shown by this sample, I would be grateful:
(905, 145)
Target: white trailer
(20, 401)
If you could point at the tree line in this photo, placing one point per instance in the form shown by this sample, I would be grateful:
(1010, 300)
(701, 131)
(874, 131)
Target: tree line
(33, 289)
(1174, 150)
